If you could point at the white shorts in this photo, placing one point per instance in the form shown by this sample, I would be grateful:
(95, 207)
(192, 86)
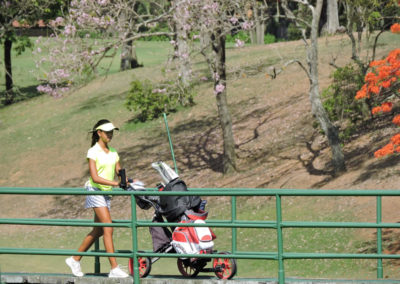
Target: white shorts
(93, 201)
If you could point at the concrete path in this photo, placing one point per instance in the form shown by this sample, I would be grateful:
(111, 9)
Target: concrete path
(103, 279)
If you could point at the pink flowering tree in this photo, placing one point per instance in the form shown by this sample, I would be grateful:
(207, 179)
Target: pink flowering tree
(208, 22)
(90, 32)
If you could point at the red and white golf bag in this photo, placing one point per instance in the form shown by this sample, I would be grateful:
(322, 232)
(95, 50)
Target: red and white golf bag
(193, 240)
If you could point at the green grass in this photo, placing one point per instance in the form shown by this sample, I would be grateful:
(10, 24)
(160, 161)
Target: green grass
(24, 69)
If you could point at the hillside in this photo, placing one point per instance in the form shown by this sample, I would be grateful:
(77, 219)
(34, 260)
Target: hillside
(45, 140)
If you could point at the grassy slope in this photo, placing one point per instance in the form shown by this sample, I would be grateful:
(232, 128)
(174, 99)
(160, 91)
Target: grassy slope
(45, 140)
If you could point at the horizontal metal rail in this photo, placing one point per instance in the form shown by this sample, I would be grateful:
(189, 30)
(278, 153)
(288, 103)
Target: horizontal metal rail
(201, 191)
(216, 224)
(278, 225)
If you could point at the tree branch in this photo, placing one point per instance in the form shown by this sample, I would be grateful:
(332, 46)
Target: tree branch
(276, 72)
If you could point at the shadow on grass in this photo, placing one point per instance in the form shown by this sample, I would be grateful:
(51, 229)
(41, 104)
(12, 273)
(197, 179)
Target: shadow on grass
(97, 101)
(377, 167)
(21, 94)
(192, 151)
(198, 151)
(359, 155)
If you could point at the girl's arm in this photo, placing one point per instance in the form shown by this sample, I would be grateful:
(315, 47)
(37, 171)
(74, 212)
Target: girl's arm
(117, 168)
(95, 176)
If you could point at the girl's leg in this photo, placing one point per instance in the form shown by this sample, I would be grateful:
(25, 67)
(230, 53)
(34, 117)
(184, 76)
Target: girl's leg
(89, 239)
(103, 215)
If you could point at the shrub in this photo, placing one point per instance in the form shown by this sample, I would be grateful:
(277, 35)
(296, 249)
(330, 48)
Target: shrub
(269, 38)
(339, 98)
(141, 97)
(151, 100)
(241, 35)
(293, 32)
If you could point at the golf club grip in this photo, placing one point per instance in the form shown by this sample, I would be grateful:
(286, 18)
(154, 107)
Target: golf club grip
(122, 175)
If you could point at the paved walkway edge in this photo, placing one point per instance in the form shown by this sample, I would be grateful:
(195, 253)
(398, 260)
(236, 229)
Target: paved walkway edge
(103, 279)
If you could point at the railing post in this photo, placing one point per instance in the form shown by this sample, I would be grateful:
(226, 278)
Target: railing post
(234, 229)
(379, 235)
(281, 269)
(136, 275)
(97, 258)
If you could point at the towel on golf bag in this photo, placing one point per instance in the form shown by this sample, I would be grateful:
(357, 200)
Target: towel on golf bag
(172, 206)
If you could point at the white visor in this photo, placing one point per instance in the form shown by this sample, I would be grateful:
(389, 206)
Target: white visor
(107, 127)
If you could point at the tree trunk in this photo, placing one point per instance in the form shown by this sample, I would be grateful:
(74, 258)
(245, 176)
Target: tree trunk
(257, 34)
(9, 94)
(229, 157)
(317, 108)
(352, 22)
(333, 16)
(183, 53)
(181, 48)
(260, 30)
(128, 57)
(128, 52)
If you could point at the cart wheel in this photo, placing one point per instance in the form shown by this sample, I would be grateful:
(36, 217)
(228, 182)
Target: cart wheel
(225, 268)
(144, 266)
(186, 269)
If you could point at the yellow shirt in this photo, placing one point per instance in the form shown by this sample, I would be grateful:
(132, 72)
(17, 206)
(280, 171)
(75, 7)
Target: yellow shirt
(105, 164)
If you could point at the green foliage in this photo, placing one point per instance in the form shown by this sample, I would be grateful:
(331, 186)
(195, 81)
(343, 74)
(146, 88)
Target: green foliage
(157, 37)
(269, 38)
(241, 35)
(143, 98)
(376, 14)
(339, 98)
(152, 100)
(293, 32)
(22, 43)
(89, 34)
(374, 19)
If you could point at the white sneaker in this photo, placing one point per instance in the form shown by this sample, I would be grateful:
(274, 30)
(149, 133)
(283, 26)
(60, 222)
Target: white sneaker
(117, 273)
(75, 266)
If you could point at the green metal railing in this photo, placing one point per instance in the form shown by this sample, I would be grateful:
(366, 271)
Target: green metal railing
(279, 225)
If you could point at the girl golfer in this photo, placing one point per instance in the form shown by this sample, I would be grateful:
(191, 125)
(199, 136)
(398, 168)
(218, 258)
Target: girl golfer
(103, 163)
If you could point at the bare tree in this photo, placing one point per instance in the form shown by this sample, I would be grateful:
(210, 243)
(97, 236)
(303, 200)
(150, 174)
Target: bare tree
(210, 21)
(312, 73)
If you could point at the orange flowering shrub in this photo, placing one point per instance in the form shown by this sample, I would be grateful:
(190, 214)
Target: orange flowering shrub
(384, 73)
(381, 80)
(395, 28)
(385, 107)
(386, 150)
(396, 120)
